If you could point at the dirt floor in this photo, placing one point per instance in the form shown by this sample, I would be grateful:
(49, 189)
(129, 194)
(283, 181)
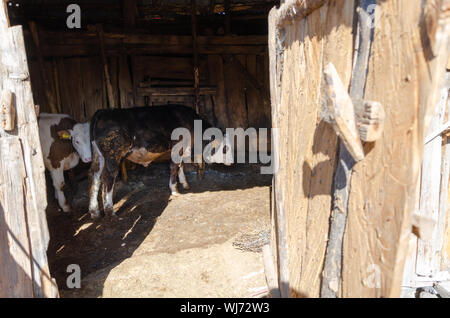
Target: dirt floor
(204, 243)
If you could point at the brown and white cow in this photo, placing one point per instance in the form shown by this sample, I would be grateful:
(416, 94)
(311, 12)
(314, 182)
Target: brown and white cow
(141, 135)
(64, 142)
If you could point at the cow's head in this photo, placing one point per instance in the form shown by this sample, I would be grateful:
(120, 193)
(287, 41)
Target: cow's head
(80, 136)
(223, 152)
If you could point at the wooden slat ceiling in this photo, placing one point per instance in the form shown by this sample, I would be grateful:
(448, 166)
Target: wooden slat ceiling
(156, 16)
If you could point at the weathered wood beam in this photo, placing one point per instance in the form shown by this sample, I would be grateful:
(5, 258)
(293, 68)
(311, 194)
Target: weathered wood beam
(14, 76)
(332, 272)
(249, 78)
(129, 13)
(276, 70)
(78, 50)
(270, 272)
(293, 10)
(174, 91)
(212, 4)
(4, 19)
(109, 89)
(342, 113)
(429, 250)
(140, 37)
(227, 16)
(195, 55)
(7, 110)
(56, 81)
(47, 87)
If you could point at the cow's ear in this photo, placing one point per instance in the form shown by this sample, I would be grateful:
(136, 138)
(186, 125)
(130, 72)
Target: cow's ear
(64, 134)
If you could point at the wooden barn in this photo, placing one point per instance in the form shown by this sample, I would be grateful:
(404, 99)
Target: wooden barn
(355, 93)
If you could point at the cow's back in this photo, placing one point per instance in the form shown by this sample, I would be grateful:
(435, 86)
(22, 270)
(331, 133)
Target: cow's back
(139, 121)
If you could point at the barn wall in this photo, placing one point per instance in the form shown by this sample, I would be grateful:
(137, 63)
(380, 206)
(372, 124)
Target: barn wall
(406, 65)
(158, 70)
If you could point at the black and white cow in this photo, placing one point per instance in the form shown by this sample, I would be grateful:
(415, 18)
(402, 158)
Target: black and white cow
(141, 135)
(63, 142)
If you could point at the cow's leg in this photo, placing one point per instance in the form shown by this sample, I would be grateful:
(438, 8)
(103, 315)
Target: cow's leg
(182, 177)
(200, 170)
(108, 179)
(95, 173)
(58, 184)
(174, 168)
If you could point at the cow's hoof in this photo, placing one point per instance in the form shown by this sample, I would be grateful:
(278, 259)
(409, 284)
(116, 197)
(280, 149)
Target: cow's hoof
(109, 211)
(113, 217)
(175, 194)
(66, 209)
(186, 187)
(94, 214)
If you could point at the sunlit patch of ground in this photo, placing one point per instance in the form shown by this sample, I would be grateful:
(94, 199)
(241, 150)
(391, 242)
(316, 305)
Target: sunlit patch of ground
(204, 243)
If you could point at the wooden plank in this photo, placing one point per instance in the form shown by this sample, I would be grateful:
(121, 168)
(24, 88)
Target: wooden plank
(45, 77)
(256, 116)
(129, 13)
(280, 229)
(227, 10)
(111, 38)
(269, 270)
(428, 260)
(235, 93)
(56, 84)
(262, 72)
(429, 251)
(71, 50)
(113, 63)
(125, 83)
(216, 76)
(350, 151)
(196, 71)
(16, 279)
(7, 110)
(292, 10)
(109, 88)
(161, 67)
(12, 49)
(175, 91)
(445, 196)
(383, 186)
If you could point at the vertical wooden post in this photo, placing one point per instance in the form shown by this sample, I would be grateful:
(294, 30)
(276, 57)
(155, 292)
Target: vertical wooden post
(109, 89)
(428, 255)
(48, 93)
(331, 281)
(195, 53)
(212, 4)
(276, 71)
(23, 200)
(129, 13)
(227, 16)
(56, 81)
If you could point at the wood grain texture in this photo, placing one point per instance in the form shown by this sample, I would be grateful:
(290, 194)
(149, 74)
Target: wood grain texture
(307, 143)
(16, 279)
(428, 251)
(383, 188)
(14, 75)
(384, 185)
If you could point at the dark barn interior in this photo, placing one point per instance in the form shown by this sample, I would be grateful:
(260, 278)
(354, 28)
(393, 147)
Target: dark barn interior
(209, 55)
(148, 50)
